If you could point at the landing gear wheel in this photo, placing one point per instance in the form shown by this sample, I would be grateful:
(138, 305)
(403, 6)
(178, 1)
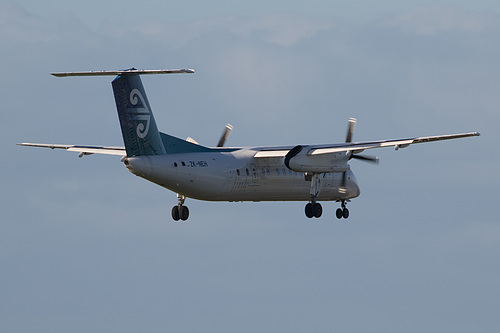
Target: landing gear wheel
(175, 213)
(184, 213)
(317, 209)
(309, 210)
(339, 213)
(345, 213)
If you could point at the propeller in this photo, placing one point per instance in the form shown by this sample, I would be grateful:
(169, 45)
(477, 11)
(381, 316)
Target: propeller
(348, 139)
(373, 159)
(350, 129)
(225, 134)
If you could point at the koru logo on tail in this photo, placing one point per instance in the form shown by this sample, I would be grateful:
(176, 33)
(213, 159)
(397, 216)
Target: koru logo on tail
(140, 113)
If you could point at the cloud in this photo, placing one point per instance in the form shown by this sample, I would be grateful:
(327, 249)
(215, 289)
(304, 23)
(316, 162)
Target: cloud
(435, 19)
(281, 30)
(75, 227)
(18, 24)
(20, 27)
(406, 64)
(278, 29)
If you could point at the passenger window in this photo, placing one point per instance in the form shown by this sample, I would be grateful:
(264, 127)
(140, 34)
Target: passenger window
(278, 172)
(183, 164)
(268, 172)
(238, 172)
(175, 164)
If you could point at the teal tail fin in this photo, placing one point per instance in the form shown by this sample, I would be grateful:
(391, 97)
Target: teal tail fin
(140, 134)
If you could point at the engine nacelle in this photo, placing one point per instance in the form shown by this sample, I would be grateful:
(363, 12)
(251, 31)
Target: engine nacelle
(298, 159)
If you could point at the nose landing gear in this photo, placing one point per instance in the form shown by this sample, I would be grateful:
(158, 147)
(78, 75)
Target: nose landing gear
(342, 212)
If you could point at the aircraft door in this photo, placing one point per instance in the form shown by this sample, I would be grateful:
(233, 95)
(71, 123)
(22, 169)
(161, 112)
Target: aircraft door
(253, 173)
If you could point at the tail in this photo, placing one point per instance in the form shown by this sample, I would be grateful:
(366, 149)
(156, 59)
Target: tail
(140, 134)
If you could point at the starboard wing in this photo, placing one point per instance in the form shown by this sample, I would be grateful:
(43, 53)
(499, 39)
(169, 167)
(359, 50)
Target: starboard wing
(357, 147)
(334, 157)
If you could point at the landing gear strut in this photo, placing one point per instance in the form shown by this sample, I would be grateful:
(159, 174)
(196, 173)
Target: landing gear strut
(180, 212)
(342, 212)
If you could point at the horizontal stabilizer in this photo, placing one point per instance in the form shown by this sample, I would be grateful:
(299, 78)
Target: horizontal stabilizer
(131, 71)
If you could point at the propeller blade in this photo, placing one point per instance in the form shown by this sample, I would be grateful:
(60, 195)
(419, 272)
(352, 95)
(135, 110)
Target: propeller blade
(350, 129)
(225, 134)
(372, 159)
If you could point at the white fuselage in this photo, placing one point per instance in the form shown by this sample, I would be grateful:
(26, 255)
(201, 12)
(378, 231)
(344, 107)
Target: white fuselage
(237, 176)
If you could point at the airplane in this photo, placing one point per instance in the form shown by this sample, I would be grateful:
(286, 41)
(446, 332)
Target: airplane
(310, 173)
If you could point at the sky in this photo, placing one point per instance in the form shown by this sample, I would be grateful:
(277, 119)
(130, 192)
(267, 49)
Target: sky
(85, 246)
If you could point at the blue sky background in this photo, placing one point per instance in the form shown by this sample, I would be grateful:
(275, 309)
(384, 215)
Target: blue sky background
(86, 246)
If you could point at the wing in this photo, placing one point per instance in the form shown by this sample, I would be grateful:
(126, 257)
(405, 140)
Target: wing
(334, 157)
(358, 147)
(83, 150)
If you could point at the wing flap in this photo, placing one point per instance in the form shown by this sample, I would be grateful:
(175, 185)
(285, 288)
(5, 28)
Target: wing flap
(271, 153)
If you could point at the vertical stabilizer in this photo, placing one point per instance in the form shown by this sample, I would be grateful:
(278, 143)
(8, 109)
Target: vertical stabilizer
(140, 134)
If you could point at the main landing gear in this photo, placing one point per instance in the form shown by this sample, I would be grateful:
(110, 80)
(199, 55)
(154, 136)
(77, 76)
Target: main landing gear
(314, 209)
(180, 212)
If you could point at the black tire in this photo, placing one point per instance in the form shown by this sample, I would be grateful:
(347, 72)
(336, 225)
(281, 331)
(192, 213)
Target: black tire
(317, 209)
(175, 213)
(309, 210)
(184, 213)
(345, 213)
(339, 213)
